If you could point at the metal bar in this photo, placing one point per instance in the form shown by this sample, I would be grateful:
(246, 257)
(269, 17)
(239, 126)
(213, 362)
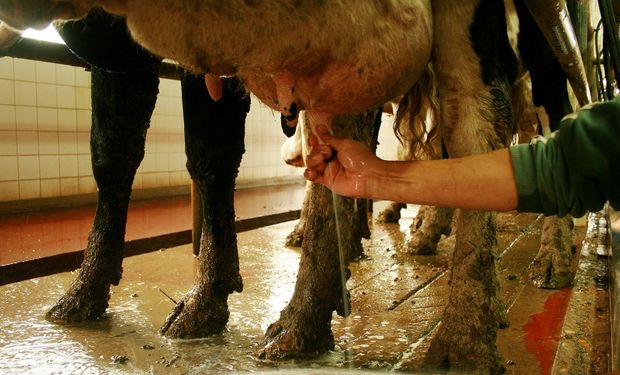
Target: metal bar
(15, 272)
(31, 49)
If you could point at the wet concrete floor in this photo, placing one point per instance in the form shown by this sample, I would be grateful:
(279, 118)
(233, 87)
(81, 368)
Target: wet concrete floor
(397, 302)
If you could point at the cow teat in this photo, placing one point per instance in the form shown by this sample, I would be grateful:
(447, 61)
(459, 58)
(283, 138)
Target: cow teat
(214, 86)
(285, 94)
(291, 114)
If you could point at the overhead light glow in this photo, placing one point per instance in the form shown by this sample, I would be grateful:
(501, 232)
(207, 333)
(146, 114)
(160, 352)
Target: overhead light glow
(48, 35)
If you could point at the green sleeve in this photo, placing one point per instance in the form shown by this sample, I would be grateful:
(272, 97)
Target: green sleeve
(576, 169)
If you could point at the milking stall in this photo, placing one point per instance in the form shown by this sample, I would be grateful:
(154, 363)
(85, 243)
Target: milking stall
(168, 200)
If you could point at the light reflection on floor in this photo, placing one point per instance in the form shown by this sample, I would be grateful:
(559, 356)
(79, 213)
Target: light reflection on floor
(381, 335)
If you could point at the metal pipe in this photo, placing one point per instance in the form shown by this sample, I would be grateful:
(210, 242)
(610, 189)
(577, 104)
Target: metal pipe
(553, 19)
(580, 11)
(8, 37)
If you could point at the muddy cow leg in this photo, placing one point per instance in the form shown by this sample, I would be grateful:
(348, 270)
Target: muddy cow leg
(552, 266)
(304, 327)
(362, 206)
(362, 209)
(427, 228)
(471, 60)
(391, 214)
(296, 237)
(122, 107)
(214, 133)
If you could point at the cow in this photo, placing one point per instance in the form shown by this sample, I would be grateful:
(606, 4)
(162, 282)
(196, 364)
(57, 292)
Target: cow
(124, 89)
(540, 100)
(302, 55)
(490, 119)
(532, 114)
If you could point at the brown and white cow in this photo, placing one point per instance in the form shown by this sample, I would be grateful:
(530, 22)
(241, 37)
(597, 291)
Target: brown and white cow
(336, 57)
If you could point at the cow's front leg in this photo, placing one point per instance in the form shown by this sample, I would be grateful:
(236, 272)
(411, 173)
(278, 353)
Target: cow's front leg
(296, 237)
(214, 132)
(391, 214)
(122, 107)
(304, 327)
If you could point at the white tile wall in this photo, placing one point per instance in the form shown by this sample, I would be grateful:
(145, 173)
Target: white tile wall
(6, 69)
(7, 116)
(45, 120)
(25, 93)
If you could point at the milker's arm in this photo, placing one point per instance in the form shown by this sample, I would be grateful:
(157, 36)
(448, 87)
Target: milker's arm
(483, 182)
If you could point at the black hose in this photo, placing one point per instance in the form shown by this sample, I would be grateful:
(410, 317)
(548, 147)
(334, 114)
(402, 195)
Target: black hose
(610, 34)
(600, 87)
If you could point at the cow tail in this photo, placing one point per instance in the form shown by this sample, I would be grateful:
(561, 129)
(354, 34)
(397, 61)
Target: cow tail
(525, 120)
(415, 124)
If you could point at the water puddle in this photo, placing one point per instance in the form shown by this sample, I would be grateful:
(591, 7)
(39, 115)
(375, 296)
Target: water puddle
(125, 340)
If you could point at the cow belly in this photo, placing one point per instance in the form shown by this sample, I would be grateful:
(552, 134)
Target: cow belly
(341, 88)
(337, 57)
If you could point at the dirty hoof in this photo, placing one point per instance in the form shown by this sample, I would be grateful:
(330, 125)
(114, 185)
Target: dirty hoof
(501, 314)
(461, 355)
(355, 252)
(83, 301)
(422, 244)
(427, 228)
(294, 239)
(552, 267)
(549, 272)
(286, 340)
(391, 214)
(197, 315)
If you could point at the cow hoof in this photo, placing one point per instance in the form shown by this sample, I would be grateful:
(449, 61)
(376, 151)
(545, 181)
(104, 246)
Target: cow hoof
(552, 267)
(427, 228)
(450, 353)
(390, 215)
(421, 244)
(294, 239)
(197, 315)
(547, 272)
(289, 340)
(82, 302)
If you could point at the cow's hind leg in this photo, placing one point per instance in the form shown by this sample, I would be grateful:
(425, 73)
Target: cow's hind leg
(471, 57)
(214, 144)
(552, 266)
(304, 327)
(122, 107)
(427, 228)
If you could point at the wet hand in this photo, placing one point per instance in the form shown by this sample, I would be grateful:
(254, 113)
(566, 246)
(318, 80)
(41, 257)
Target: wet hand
(342, 165)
